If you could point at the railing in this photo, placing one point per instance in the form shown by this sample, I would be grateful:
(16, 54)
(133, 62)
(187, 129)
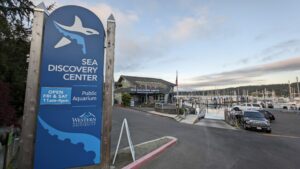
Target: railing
(9, 149)
(233, 117)
(159, 105)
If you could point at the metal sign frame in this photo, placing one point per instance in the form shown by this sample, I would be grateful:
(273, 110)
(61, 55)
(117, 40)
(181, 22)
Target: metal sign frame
(125, 123)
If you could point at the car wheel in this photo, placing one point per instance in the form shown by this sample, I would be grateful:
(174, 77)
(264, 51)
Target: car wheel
(269, 131)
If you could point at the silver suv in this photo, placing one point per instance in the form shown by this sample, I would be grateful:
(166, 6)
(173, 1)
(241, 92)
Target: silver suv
(250, 106)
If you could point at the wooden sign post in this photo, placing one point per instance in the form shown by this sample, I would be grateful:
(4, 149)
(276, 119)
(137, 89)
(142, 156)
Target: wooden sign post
(108, 91)
(26, 154)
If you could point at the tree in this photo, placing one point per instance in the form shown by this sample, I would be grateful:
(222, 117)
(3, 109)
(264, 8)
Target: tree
(7, 112)
(14, 46)
(126, 99)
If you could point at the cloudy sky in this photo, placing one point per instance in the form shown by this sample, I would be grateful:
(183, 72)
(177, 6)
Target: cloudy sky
(212, 43)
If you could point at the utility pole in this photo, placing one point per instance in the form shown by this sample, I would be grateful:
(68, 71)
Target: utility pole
(297, 86)
(146, 98)
(26, 154)
(289, 89)
(108, 94)
(265, 93)
(238, 94)
(177, 98)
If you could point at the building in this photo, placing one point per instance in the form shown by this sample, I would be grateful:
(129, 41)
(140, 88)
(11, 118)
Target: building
(144, 90)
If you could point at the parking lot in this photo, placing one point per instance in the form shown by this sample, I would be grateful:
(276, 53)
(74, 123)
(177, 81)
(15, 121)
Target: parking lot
(286, 123)
(210, 147)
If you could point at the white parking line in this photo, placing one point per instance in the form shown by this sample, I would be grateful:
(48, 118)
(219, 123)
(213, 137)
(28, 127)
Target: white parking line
(278, 135)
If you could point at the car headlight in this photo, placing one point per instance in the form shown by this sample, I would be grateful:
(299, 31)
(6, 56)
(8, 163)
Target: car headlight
(248, 122)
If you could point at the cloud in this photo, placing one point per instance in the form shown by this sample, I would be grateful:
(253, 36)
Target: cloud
(123, 18)
(141, 51)
(189, 27)
(282, 48)
(270, 53)
(246, 75)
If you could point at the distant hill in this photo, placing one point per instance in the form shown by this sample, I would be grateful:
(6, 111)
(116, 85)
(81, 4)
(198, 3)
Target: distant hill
(279, 89)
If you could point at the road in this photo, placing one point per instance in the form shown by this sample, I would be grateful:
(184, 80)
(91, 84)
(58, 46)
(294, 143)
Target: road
(209, 148)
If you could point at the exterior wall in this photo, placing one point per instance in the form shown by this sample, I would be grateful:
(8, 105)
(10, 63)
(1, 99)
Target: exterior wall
(118, 98)
(172, 90)
(154, 90)
(166, 98)
(126, 84)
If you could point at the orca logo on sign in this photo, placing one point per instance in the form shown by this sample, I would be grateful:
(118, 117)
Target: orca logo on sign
(73, 32)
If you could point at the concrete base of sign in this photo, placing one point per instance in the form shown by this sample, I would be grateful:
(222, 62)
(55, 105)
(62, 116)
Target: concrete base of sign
(144, 152)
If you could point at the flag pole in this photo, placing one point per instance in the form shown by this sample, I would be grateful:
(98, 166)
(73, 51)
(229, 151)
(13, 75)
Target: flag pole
(177, 83)
(177, 100)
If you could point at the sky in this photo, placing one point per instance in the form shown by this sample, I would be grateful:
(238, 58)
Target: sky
(213, 44)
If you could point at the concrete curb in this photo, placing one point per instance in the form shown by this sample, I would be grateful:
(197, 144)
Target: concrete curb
(148, 157)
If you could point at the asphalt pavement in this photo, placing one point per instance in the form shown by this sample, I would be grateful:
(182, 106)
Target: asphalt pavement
(212, 148)
(286, 123)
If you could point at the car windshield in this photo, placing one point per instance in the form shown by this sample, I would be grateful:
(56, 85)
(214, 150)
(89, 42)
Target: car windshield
(256, 105)
(253, 114)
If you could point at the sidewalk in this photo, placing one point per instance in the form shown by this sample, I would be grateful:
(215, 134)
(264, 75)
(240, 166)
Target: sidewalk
(214, 123)
(217, 114)
(212, 118)
(189, 119)
(163, 114)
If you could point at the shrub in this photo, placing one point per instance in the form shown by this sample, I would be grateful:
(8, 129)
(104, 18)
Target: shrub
(126, 99)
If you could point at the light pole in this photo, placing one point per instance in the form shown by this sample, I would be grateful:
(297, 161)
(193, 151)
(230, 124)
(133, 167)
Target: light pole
(146, 98)
(297, 86)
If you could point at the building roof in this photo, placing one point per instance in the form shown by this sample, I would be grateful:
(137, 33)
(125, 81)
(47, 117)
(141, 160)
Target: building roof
(135, 80)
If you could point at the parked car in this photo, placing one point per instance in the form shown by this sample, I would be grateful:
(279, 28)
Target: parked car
(236, 108)
(293, 106)
(266, 104)
(268, 115)
(269, 105)
(250, 106)
(255, 120)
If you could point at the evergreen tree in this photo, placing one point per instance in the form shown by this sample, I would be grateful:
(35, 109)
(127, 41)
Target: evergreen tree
(14, 46)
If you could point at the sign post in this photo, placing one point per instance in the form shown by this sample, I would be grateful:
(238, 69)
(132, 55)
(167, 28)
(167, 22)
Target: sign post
(25, 160)
(108, 88)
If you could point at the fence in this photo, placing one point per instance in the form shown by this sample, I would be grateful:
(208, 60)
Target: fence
(233, 117)
(9, 149)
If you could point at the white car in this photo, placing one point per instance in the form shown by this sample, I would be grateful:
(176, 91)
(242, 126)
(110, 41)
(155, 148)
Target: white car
(250, 106)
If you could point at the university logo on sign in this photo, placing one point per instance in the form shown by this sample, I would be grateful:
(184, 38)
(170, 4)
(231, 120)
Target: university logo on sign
(70, 110)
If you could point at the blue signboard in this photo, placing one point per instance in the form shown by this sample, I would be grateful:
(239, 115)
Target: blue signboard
(70, 110)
